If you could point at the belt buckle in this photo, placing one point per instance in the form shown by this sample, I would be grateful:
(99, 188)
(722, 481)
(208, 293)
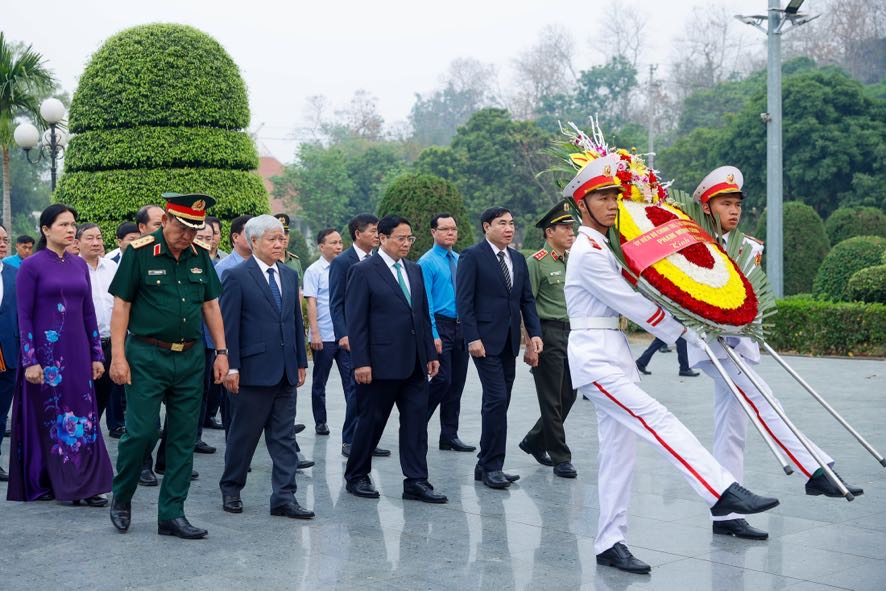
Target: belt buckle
(177, 347)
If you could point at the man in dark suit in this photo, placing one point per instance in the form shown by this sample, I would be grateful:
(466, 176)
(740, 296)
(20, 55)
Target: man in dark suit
(9, 343)
(392, 352)
(493, 293)
(265, 335)
(364, 234)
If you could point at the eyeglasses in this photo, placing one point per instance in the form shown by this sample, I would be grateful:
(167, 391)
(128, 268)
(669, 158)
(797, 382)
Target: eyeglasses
(402, 239)
(447, 229)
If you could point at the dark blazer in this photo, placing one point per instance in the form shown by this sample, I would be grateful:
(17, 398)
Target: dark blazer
(9, 337)
(263, 344)
(486, 310)
(383, 330)
(338, 281)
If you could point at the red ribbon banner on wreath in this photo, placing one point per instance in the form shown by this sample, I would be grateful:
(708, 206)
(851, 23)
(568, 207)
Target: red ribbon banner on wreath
(664, 240)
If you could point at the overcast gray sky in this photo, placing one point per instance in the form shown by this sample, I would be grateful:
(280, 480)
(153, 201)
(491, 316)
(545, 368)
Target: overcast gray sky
(288, 51)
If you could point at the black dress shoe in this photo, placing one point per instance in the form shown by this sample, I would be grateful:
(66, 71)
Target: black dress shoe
(212, 423)
(4, 477)
(46, 497)
(147, 477)
(495, 479)
(422, 491)
(688, 373)
(346, 450)
(541, 457)
(194, 475)
(642, 369)
(621, 558)
(820, 485)
(201, 447)
(738, 499)
(665, 349)
(565, 470)
(302, 464)
(116, 433)
(121, 515)
(292, 510)
(478, 475)
(362, 487)
(322, 429)
(299, 427)
(739, 528)
(232, 504)
(381, 453)
(456, 444)
(94, 501)
(180, 527)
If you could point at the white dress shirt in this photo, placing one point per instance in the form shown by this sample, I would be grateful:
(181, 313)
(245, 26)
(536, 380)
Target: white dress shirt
(264, 271)
(361, 254)
(101, 277)
(390, 263)
(1, 283)
(508, 261)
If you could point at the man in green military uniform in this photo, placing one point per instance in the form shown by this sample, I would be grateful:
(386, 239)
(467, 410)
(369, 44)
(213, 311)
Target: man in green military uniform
(164, 289)
(290, 259)
(546, 441)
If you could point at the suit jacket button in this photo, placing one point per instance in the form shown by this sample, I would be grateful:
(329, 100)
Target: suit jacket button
(412, 331)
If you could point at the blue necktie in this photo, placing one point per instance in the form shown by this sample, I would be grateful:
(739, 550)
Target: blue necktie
(275, 291)
(452, 270)
(402, 284)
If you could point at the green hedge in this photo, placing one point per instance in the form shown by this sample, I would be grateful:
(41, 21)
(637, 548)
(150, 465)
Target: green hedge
(847, 222)
(805, 245)
(868, 285)
(809, 326)
(161, 147)
(147, 75)
(842, 262)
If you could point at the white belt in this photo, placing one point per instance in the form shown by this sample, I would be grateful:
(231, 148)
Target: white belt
(593, 323)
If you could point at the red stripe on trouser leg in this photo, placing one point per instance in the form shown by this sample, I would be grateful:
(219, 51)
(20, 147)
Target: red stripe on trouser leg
(661, 441)
(771, 434)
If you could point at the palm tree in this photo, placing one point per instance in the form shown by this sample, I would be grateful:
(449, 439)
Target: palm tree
(23, 78)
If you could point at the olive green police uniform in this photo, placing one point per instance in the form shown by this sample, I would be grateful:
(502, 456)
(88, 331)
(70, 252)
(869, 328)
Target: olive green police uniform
(165, 353)
(553, 384)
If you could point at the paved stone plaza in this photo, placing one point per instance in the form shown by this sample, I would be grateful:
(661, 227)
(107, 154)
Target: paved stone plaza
(537, 535)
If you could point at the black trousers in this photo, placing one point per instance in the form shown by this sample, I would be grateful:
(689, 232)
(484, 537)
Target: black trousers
(108, 395)
(682, 355)
(497, 377)
(446, 387)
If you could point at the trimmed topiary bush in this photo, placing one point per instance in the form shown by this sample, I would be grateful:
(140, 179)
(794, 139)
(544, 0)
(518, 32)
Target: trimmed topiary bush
(805, 245)
(868, 285)
(159, 108)
(842, 262)
(418, 197)
(847, 222)
(815, 327)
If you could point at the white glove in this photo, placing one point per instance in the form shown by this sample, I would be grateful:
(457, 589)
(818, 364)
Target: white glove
(691, 337)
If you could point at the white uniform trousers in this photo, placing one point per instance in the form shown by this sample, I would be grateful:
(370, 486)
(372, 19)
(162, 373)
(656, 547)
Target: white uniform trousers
(731, 425)
(624, 412)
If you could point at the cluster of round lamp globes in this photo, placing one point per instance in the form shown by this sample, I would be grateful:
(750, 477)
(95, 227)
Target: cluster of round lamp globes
(54, 138)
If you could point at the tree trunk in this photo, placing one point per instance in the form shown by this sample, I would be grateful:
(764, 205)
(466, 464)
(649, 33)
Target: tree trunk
(7, 190)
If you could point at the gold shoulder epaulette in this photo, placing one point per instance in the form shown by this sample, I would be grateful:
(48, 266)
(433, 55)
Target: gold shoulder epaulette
(540, 254)
(144, 240)
(757, 240)
(292, 254)
(202, 244)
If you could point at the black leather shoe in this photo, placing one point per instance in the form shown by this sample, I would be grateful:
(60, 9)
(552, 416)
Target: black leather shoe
(322, 429)
(4, 477)
(362, 487)
(116, 433)
(147, 477)
(299, 427)
(621, 558)
(380, 453)
(478, 475)
(346, 450)
(422, 491)
(565, 470)
(495, 479)
(232, 504)
(739, 528)
(292, 510)
(541, 457)
(201, 447)
(688, 373)
(194, 475)
(302, 464)
(121, 515)
(180, 527)
(46, 497)
(820, 485)
(95, 501)
(212, 423)
(456, 444)
(642, 369)
(738, 499)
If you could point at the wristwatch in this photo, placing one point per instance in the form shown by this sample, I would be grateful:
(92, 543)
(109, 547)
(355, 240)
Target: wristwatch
(221, 352)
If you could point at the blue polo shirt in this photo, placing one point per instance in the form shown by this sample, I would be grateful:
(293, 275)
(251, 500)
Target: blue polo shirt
(436, 270)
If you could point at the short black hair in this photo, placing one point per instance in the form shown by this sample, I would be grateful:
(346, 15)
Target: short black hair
(24, 239)
(387, 224)
(322, 234)
(126, 228)
(141, 216)
(237, 226)
(490, 214)
(212, 220)
(83, 227)
(437, 217)
(359, 223)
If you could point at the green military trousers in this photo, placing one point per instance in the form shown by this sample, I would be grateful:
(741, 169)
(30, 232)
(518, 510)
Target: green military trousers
(175, 379)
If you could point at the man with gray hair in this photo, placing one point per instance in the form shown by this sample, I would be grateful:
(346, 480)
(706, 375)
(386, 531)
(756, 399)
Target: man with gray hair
(264, 331)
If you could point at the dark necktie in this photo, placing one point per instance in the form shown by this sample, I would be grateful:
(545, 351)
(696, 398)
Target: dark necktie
(504, 269)
(402, 283)
(452, 270)
(275, 291)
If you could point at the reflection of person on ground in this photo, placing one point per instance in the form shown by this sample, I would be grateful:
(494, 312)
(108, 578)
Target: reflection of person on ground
(163, 290)
(546, 441)
(324, 347)
(58, 449)
(493, 295)
(438, 267)
(24, 245)
(721, 197)
(363, 229)
(392, 351)
(9, 343)
(604, 370)
(265, 334)
(659, 345)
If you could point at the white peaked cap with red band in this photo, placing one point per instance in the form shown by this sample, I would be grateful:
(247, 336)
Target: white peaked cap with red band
(596, 175)
(726, 179)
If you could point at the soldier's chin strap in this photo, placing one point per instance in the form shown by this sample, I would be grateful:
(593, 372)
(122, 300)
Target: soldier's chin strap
(590, 213)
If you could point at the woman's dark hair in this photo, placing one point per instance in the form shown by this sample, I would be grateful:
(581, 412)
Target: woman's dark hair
(48, 217)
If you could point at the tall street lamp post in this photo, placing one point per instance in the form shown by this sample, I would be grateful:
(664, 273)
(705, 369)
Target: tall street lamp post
(54, 140)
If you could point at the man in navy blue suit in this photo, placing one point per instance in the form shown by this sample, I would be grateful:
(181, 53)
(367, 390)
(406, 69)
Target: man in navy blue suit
(363, 229)
(8, 337)
(392, 353)
(265, 335)
(493, 293)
